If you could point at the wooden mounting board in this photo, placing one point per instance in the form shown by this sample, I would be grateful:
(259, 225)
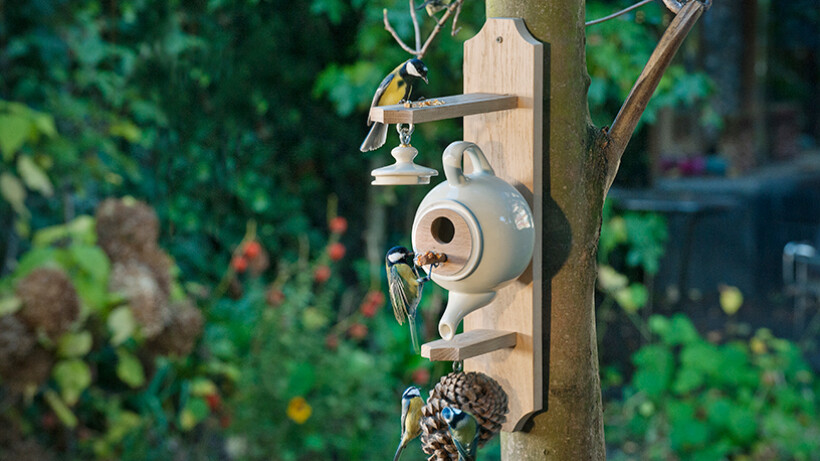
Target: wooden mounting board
(504, 58)
(452, 107)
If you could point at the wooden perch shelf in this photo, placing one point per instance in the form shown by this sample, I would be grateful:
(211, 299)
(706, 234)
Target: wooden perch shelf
(456, 106)
(468, 344)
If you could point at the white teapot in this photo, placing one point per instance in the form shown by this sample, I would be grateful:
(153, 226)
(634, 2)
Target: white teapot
(483, 225)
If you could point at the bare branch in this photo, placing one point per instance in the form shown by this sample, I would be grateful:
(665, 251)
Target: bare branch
(395, 35)
(416, 27)
(455, 21)
(616, 14)
(635, 104)
(439, 24)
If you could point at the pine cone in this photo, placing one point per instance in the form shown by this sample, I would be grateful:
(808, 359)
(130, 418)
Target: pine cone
(473, 392)
(126, 228)
(16, 341)
(49, 300)
(33, 369)
(146, 298)
(179, 337)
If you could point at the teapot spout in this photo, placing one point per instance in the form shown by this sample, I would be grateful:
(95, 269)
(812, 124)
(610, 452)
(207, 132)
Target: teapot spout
(458, 306)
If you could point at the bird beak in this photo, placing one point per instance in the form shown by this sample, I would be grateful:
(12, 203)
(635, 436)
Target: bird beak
(425, 79)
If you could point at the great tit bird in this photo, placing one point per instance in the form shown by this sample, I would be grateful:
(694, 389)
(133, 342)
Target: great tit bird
(434, 6)
(411, 404)
(405, 288)
(464, 431)
(394, 89)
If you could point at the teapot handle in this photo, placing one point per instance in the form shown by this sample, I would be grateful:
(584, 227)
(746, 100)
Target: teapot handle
(453, 161)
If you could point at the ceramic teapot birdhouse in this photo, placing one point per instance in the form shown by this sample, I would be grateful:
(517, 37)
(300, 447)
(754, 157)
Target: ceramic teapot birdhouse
(483, 225)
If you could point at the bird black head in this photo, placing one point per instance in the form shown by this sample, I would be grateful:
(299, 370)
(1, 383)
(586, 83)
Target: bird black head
(411, 392)
(416, 68)
(397, 255)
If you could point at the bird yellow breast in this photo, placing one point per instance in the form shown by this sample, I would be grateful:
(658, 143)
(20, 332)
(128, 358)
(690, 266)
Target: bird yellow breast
(394, 92)
(412, 426)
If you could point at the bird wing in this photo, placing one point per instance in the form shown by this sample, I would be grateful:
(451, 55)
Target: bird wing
(403, 294)
(380, 91)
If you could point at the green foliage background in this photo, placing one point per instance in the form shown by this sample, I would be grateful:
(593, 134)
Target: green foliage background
(222, 112)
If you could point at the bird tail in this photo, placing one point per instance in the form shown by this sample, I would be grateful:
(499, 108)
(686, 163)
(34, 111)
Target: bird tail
(399, 450)
(375, 138)
(411, 321)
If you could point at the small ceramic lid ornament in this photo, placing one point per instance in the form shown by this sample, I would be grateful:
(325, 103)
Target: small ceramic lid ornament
(404, 171)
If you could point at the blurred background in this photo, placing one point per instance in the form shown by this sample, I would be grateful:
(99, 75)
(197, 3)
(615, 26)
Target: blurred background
(191, 257)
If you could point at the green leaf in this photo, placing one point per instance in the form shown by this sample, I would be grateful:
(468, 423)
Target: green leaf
(302, 377)
(10, 305)
(633, 297)
(72, 345)
(14, 129)
(121, 324)
(125, 130)
(62, 411)
(196, 409)
(13, 191)
(742, 424)
(72, 376)
(655, 365)
(34, 176)
(129, 369)
(92, 260)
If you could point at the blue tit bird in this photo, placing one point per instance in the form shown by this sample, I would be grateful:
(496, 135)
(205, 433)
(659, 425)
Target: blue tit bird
(434, 6)
(464, 431)
(394, 89)
(411, 404)
(405, 288)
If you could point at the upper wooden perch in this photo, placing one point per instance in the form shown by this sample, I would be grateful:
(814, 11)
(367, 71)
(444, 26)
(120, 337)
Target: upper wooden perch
(448, 107)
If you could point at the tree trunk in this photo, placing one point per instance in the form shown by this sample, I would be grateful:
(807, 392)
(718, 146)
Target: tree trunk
(572, 426)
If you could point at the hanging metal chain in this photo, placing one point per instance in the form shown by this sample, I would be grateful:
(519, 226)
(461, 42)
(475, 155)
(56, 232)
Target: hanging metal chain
(405, 131)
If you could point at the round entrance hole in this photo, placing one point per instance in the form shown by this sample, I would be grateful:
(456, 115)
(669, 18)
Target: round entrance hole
(443, 230)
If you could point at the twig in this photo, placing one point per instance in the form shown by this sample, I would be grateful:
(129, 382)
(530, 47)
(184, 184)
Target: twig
(439, 24)
(395, 35)
(416, 27)
(615, 15)
(455, 21)
(633, 107)
(421, 50)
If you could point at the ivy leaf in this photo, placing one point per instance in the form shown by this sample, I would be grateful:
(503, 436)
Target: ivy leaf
(14, 129)
(34, 176)
(60, 409)
(121, 324)
(129, 369)
(91, 260)
(72, 376)
(74, 345)
(13, 191)
(9, 305)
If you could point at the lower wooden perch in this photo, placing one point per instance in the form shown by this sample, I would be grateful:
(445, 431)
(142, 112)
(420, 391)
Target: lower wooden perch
(468, 344)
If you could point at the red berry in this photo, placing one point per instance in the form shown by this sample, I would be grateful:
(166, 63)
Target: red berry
(239, 264)
(338, 225)
(252, 249)
(376, 297)
(332, 342)
(275, 297)
(369, 309)
(214, 401)
(421, 376)
(357, 331)
(336, 251)
(321, 274)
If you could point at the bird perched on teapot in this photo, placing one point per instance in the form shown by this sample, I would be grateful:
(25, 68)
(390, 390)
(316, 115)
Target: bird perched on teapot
(394, 89)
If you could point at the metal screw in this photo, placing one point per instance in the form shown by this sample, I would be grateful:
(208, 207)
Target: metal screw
(499, 39)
